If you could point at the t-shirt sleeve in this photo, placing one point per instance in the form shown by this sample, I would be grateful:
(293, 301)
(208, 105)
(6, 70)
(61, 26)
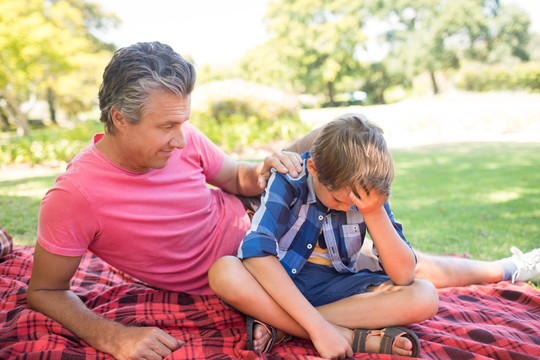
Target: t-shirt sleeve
(67, 223)
(210, 156)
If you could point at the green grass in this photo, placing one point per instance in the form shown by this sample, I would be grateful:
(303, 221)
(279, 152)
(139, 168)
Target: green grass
(481, 198)
(19, 206)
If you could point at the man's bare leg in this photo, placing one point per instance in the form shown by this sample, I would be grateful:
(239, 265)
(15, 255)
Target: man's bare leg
(448, 271)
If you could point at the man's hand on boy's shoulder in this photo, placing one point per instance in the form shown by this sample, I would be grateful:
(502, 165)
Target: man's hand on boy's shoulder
(284, 162)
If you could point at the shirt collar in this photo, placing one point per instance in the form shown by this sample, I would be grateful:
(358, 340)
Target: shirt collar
(312, 197)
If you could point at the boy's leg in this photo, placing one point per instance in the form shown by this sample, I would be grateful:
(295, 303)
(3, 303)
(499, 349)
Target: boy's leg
(392, 305)
(384, 305)
(232, 282)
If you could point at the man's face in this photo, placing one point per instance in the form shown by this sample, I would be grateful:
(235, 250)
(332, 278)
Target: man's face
(150, 143)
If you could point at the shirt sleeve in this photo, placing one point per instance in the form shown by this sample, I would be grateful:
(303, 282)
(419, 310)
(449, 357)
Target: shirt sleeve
(66, 226)
(271, 220)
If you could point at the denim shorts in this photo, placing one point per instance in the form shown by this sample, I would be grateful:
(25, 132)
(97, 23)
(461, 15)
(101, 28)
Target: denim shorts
(322, 284)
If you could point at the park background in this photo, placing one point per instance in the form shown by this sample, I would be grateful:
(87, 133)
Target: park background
(454, 84)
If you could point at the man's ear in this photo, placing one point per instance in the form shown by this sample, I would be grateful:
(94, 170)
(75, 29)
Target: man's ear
(311, 167)
(119, 120)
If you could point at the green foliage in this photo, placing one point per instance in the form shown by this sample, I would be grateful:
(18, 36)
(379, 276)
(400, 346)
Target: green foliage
(480, 77)
(49, 46)
(312, 44)
(236, 114)
(434, 35)
(47, 145)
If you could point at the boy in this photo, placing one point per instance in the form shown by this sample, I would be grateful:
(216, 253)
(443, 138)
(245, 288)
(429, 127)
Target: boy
(305, 268)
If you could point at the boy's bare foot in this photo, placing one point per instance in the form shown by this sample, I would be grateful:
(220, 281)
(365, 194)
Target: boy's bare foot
(402, 346)
(264, 336)
(261, 337)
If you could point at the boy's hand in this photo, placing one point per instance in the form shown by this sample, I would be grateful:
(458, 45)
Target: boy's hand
(331, 344)
(367, 203)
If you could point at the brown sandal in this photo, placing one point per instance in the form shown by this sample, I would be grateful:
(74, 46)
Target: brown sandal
(250, 326)
(388, 338)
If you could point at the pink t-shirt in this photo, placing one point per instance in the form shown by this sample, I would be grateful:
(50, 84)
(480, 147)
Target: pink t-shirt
(164, 227)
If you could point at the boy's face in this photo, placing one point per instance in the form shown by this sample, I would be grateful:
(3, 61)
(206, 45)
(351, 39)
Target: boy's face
(337, 200)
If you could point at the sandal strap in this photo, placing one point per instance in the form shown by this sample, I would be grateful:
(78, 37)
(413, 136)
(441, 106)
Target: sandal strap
(360, 337)
(387, 342)
(284, 338)
(388, 337)
(270, 330)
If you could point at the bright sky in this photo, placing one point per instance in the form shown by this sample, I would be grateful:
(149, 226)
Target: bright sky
(215, 32)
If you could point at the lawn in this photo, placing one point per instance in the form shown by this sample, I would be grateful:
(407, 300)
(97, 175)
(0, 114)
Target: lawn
(480, 198)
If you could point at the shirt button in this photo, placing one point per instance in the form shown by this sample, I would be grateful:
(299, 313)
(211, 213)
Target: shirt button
(321, 217)
(309, 246)
(293, 271)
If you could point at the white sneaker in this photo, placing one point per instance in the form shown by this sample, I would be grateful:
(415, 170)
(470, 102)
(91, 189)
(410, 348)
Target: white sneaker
(528, 265)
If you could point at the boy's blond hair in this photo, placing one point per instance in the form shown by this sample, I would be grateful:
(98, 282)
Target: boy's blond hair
(350, 151)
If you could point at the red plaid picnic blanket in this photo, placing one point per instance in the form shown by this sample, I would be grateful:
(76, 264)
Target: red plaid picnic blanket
(498, 321)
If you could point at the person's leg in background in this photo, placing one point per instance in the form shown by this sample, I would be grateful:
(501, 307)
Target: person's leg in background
(448, 271)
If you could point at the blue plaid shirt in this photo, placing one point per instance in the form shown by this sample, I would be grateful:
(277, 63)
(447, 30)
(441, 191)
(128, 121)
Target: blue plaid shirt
(290, 219)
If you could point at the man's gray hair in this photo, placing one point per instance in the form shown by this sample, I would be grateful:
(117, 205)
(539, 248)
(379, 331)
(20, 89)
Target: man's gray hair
(137, 71)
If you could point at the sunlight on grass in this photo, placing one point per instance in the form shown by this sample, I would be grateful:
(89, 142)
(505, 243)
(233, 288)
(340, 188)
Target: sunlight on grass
(503, 196)
(481, 198)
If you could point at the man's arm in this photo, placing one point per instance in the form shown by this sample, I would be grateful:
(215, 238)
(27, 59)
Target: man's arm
(49, 293)
(249, 179)
(303, 144)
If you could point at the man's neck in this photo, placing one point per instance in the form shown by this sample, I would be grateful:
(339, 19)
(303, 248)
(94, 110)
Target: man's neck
(108, 147)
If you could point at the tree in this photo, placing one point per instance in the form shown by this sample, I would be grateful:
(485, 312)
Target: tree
(434, 35)
(312, 43)
(40, 42)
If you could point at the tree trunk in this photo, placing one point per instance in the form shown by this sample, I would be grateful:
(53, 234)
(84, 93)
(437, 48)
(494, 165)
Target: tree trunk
(20, 119)
(434, 82)
(4, 119)
(50, 100)
(330, 88)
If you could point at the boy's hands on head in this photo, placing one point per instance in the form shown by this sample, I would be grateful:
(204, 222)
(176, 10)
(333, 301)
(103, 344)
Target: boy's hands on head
(282, 161)
(367, 203)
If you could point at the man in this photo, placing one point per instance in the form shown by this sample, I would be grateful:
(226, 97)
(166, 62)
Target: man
(138, 198)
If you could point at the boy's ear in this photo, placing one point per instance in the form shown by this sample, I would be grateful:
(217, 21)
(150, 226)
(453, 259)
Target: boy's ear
(311, 167)
(118, 119)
